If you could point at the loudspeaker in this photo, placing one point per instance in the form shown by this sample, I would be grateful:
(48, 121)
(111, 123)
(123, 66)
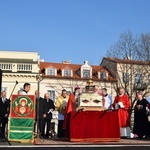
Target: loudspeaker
(0, 81)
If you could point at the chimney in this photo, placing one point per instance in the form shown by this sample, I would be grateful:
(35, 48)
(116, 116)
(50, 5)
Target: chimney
(66, 62)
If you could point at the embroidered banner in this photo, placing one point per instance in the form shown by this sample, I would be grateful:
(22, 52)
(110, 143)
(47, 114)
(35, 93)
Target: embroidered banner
(21, 120)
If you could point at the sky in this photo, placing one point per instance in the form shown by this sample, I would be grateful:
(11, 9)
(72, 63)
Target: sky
(72, 30)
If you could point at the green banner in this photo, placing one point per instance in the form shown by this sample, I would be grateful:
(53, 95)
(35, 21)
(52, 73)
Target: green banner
(21, 119)
(21, 129)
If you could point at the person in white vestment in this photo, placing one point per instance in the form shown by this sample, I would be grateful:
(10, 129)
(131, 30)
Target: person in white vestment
(107, 99)
(26, 89)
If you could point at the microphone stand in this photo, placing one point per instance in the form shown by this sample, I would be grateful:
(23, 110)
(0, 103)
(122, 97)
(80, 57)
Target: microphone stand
(13, 90)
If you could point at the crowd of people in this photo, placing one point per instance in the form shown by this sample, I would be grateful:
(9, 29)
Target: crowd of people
(66, 103)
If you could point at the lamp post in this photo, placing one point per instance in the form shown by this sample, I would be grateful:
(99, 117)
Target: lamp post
(39, 79)
(37, 108)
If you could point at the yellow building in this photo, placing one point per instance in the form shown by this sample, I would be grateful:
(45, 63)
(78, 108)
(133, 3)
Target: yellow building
(18, 66)
(131, 74)
(58, 76)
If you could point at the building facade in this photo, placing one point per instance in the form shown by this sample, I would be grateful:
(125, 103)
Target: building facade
(58, 76)
(18, 67)
(132, 75)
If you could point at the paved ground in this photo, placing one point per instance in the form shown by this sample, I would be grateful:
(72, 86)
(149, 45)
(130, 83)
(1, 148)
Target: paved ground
(50, 144)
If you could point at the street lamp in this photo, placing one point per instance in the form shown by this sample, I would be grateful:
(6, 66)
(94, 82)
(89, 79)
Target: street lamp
(39, 79)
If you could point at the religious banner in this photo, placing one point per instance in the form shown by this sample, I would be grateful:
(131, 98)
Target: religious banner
(21, 119)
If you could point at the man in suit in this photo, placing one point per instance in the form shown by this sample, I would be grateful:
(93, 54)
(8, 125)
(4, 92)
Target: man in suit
(40, 112)
(4, 111)
(49, 108)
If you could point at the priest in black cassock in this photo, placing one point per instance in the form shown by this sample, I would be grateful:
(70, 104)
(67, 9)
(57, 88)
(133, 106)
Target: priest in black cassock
(141, 124)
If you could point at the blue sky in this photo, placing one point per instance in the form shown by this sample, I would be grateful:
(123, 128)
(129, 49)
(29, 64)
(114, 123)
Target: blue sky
(74, 30)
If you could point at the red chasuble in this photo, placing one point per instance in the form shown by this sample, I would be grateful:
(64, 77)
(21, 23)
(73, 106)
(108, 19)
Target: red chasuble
(123, 113)
(71, 106)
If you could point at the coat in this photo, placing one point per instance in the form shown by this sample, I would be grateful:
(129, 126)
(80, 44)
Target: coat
(49, 105)
(4, 108)
(42, 107)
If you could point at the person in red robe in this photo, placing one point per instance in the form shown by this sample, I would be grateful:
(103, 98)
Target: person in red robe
(71, 106)
(122, 105)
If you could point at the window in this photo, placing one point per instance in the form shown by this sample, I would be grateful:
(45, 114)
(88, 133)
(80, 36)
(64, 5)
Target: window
(51, 71)
(24, 67)
(86, 73)
(4, 89)
(103, 75)
(125, 77)
(52, 94)
(5, 66)
(138, 78)
(67, 72)
(68, 89)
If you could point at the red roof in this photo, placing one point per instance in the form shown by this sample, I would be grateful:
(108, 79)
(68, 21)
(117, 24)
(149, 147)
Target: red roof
(75, 68)
(127, 61)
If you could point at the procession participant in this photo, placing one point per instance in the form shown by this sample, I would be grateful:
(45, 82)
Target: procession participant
(60, 105)
(40, 112)
(73, 100)
(72, 104)
(141, 124)
(4, 111)
(97, 90)
(26, 89)
(19, 92)
(122, 104)
(49, 108)
(107, 99)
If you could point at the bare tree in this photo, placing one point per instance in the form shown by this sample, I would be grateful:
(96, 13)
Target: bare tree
(144, 47)
(131, 63)
(125, 47)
